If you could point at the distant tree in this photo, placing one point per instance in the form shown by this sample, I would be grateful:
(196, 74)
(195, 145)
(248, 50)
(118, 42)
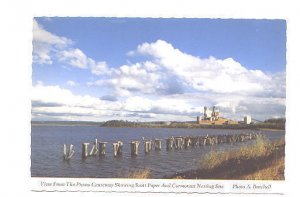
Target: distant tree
(276, 120)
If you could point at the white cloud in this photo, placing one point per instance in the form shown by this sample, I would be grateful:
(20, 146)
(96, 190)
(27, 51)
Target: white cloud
(99, 68)
(130, 79)
(62, 104)
(44, 43)
(168, 85)
(71, 83)
(47, 46)
(75, 57)
(170, 71)
(220, 76)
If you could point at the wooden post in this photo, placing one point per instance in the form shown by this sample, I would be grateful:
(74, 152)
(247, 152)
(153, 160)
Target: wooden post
(204, 141)
(178, 143)
(120, 148)
(134, 147)
(181, 143)
(157, 144)
(102, 148)
(185, 142)
(152, 145)
(68, 153)
(71, 151)
(96, 147)
(94, 151)
(115, 148)
(65, 151)
(147, 146)
(85, 150)
(169, 143)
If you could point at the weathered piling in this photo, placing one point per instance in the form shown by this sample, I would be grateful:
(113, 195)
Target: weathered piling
(157, 144)
(68, 153)
(151, 146)
(94, 151)
(71, 151)
(120, 148)
(147, 146)
(102, 148)
(65, 151)
(85, 152)
(117, 148)
(169, 143)
(205, 141)
(134, 147)
(178, 143)
(187, 141)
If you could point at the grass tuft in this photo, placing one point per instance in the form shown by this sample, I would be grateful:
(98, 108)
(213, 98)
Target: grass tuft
(260, 161)
(139, 174)
(261, 148)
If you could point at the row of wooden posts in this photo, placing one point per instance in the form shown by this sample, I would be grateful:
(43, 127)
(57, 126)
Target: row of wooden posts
(177, 143)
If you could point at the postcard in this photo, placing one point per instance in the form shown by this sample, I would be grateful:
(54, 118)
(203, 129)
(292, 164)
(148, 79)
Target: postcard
(158, 105)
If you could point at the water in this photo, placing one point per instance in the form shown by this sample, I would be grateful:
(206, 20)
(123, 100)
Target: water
(47, 151)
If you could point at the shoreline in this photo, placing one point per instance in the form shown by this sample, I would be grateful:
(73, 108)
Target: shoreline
(269, 165)
(267, 129)
(258, 127)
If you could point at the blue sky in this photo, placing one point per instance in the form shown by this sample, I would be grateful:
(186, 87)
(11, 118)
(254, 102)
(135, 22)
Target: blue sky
(130, 63)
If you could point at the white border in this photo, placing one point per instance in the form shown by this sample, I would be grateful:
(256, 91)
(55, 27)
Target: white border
(16, 25)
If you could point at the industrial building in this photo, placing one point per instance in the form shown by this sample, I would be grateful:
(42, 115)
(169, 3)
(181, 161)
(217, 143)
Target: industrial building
(247, 120)
(211, 114)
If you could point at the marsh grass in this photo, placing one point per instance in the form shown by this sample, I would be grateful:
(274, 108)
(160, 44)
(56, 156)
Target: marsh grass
(139, 174)
(261, 148)
(263, 160)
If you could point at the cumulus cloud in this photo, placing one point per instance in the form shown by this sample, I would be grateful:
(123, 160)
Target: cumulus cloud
(171, 71)
(45, 43)
(48, 46)
(192, 83)
(99, 68)
(168, 85)
(141, 78)
(210, 74)
(75, 57)
(62, 104)
(78, 59)
(134, 78)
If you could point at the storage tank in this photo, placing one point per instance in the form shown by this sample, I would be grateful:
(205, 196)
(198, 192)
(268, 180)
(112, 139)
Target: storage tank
(247, 119)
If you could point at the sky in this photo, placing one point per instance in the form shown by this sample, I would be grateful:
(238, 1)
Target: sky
(154, 69)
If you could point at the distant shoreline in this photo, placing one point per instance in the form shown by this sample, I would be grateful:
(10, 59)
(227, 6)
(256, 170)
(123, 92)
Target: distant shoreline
(183, 125)
(260, 161)
(266, 129)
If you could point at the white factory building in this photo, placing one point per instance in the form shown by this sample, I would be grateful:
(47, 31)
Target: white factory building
(247, 119)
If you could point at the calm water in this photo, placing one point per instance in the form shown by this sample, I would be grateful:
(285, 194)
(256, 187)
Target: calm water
(47, 151)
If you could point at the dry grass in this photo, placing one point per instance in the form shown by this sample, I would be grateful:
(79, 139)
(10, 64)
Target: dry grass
(177, 177)
(274, 172)
(261, 161)
(261, 148)
(139, 174)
